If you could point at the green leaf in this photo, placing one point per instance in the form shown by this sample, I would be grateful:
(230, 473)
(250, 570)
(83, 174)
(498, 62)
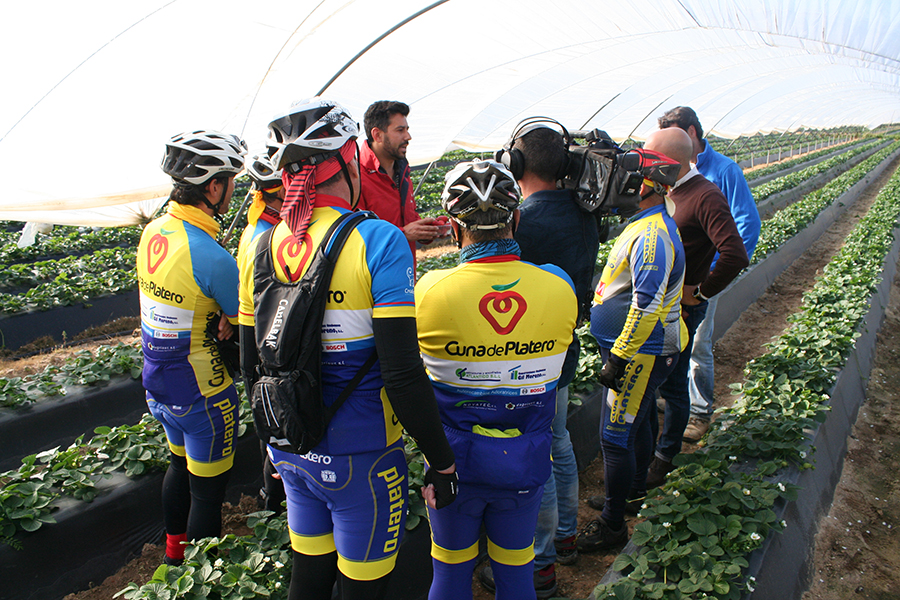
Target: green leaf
(701, 525)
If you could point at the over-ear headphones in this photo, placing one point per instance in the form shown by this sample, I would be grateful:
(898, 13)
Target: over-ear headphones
(514, 160)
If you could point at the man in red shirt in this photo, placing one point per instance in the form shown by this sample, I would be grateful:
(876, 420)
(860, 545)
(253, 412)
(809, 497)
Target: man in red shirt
(386, 187)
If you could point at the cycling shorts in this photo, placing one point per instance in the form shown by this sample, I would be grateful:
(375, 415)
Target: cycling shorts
(354, 504)
(204, 431)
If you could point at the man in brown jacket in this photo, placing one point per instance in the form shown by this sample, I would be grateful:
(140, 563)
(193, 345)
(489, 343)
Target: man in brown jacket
(706, 226)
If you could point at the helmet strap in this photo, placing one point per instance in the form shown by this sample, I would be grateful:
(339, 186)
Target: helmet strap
(215, 207)
(346, 172)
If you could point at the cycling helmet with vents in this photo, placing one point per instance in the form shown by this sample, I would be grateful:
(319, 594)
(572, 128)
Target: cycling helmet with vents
(261, 172)
(480, 185)
(658, 167)
(310, 132)
(198, 156)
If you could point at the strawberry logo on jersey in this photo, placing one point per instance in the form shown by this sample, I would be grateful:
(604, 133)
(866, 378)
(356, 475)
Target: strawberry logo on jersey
(156, 252)
(495, 305)
(288, 249)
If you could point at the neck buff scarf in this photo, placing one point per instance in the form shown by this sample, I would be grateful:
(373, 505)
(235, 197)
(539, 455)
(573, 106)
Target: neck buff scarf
(301, 189)
(194, 216)
(487, 249)
(260, 210)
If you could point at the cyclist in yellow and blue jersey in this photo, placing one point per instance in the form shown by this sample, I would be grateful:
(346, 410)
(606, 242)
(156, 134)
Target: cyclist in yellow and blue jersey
(347, 497)
(268, 197)
(263, 214)
(636, 320)
(493, 333)
(186, 281)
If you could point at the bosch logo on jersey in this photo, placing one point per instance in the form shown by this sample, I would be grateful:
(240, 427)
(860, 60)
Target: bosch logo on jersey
(454, 348)
(533, 390)
(277, 322)
(159, 291)
(517, 375)
(165, 335)
(334, 347)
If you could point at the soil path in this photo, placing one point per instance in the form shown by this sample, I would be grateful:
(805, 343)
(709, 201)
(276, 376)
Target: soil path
(857, 554)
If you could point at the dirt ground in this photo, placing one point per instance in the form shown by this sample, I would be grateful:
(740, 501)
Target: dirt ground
(857, 554)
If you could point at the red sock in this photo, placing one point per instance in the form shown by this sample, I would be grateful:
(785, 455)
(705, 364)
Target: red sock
(174, 545)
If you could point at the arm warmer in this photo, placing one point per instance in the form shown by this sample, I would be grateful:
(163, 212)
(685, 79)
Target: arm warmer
(409, 389)
(249, 356)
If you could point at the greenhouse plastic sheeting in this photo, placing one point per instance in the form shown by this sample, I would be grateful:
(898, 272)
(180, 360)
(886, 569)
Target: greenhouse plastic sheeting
(101, 85)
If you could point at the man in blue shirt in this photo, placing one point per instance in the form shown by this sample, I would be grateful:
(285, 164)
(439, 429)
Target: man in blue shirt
(729, 178)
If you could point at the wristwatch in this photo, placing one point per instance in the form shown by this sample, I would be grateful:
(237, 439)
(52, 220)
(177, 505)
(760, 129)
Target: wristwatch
(698, 295)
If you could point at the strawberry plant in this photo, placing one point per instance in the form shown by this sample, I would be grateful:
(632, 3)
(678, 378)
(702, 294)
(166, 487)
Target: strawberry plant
(231, 567)
(791, 180)
(716, 507)
(793, 162)
(787, 222)
(85, 368)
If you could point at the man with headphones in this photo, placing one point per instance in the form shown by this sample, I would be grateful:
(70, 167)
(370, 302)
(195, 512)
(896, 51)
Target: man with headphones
(553, 229)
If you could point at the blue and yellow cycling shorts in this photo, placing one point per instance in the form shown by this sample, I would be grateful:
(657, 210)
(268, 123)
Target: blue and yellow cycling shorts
(204, 431)
(355, 504)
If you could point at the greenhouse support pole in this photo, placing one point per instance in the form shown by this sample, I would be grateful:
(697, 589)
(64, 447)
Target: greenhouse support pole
(424, 175)
(237, 216)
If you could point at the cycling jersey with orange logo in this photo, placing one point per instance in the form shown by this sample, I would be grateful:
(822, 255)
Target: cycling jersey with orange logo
(373, 278)
(493, 333)
(185, 278)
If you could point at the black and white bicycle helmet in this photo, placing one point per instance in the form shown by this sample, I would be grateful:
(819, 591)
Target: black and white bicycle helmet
(480, 185)
(196, 157)
(263, 175)
(310, 132)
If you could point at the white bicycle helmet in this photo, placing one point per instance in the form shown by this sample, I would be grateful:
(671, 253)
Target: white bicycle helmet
(197, 156)
(262, 173)
(310, 132)
(484, 185)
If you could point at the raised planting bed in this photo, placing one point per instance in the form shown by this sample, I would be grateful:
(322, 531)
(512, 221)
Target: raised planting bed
(747, 287)
(22, 328)
(782, 567)
(91, 540)
(775, 171)
(583, 423)
(772, 204)
(711, 529)
(57, 421)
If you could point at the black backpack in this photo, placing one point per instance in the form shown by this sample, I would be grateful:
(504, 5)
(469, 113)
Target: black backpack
(287, 404)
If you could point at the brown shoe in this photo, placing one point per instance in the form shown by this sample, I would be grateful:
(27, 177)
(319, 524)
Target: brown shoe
(656, 475)
(695, 430)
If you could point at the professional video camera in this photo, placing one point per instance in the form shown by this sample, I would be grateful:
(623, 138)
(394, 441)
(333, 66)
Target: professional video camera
(606, 179)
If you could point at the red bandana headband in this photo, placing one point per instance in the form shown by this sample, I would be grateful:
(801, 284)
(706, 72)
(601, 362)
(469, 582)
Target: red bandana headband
(300, 196)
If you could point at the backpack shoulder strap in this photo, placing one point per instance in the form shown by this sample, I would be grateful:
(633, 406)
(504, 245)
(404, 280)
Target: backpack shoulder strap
(334, 240)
